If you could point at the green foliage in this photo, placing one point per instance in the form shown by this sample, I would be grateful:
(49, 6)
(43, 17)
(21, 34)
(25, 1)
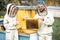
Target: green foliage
(2, 5)
(56, 29)
(2, 13)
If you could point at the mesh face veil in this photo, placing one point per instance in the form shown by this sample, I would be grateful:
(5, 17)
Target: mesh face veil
(12, 10)
(41, 9)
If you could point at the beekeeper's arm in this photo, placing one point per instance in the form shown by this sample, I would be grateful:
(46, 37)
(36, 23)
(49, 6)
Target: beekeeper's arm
(15, 23)
(48, 20)
(6, 23)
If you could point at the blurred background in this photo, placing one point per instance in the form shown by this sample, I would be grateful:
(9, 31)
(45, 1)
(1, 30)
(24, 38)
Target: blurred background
(51, 4)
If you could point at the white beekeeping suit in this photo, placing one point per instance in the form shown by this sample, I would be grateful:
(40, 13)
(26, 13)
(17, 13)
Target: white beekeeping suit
(47, 19)
(10, 23)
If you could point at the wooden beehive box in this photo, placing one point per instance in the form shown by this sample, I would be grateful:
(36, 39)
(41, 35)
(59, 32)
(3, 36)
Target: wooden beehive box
(24, 15)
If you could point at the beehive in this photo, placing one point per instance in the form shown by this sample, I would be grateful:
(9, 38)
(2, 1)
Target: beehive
(22, 16)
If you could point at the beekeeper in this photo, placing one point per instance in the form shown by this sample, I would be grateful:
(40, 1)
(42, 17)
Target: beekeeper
(46, 21)
(10, 22)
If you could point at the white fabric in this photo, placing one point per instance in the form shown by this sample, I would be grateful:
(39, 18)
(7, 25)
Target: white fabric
(11, 30)
(45, 37)
(45, 31)
(48, 20)
(11, 34)
(9, 24)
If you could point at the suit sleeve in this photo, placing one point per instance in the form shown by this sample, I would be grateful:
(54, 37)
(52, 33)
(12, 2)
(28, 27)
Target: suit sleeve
(6, 23)
(48, 20)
